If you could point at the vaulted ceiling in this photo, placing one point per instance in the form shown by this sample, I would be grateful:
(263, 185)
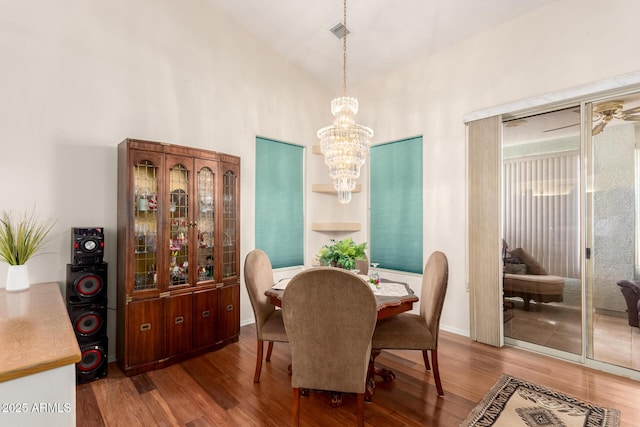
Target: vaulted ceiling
(384, 34)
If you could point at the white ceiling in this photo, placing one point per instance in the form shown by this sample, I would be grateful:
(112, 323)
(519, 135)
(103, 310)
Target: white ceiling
(384, 34)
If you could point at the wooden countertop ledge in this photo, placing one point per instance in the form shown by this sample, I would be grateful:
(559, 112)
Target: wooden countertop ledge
(35, 332)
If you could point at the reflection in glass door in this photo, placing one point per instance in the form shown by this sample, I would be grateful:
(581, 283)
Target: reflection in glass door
(541, 230)
(612, 204)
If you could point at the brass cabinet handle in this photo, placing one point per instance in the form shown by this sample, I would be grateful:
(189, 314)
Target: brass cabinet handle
(206, 313)
(145, 327)
(178, 320)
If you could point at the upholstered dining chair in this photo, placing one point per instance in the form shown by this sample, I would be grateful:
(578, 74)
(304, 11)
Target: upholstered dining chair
(258, 276)
(407, 331)
(329, 315)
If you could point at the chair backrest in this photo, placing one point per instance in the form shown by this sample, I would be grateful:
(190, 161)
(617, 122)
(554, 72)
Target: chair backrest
(629, 287)
(258, 276)
(329, 315)
(434, 288)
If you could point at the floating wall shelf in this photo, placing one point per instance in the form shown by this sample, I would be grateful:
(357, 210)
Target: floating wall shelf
(335, 226)
(329, 189)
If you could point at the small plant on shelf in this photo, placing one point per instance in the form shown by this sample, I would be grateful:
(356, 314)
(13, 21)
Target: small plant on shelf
(343, 253)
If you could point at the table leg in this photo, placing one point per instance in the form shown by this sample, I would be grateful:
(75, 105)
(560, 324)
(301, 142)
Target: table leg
(386, 374)
(336, 399)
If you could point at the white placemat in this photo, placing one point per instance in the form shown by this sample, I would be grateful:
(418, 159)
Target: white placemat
(282, 283)
(390, 289)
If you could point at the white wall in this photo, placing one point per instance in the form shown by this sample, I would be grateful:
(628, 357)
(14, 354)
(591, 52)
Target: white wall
(77, 77)
(566, 44)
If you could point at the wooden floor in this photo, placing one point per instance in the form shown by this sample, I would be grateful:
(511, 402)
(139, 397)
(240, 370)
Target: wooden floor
(217, 389)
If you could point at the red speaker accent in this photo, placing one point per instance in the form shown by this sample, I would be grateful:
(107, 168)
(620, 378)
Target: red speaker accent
(89, 321)
(93, 363)
(86, 283)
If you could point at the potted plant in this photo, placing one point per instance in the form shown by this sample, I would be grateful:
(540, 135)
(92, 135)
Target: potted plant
(21, 237)
(343, 253)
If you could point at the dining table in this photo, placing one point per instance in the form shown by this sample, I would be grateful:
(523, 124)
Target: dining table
(392, 298)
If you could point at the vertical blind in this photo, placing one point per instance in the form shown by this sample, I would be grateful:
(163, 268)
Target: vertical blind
(279, 202)
(396, 205)
(484, 264)
(541, 210)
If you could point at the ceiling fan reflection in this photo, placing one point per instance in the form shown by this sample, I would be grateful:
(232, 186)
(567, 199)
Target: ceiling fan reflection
(603, 113)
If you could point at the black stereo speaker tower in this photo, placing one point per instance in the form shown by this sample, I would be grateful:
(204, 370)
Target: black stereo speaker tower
(87, 301)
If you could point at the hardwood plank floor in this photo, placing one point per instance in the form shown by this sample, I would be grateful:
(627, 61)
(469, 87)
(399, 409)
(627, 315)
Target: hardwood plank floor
(217, 389)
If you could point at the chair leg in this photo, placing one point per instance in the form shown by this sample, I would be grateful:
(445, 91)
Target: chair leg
(269, 350)
(360, 405)
(256, 376)
(436, 372)
(425, 357)
(295, 408)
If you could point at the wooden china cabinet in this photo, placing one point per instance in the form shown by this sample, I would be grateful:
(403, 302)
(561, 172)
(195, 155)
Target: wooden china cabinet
(178, 253)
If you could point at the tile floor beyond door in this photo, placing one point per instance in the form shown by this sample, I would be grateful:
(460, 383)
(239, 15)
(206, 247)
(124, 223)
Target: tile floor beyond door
(558, 326)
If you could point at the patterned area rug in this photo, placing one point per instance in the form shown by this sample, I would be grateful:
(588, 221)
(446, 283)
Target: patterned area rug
(514, 402)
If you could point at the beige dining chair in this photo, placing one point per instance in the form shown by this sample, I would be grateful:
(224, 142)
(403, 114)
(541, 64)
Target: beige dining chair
(329, 315)
(258, 276)
(407, 331)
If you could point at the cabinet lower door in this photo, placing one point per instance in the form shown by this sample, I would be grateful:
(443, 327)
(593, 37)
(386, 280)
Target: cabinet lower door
(178, 314)
(145, 331)
(229, 315)
(205, 310)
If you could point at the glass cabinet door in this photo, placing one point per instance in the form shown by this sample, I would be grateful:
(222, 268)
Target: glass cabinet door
(229, 223)
(179, 223)
(205, 223)
(145, 220)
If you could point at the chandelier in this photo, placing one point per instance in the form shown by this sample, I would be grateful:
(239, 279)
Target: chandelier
(345, 144)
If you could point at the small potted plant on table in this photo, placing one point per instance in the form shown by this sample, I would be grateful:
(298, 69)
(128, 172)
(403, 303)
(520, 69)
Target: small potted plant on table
(344, 254)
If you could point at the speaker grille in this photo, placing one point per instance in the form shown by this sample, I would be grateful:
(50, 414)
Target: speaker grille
(86, 283)
(93, 363)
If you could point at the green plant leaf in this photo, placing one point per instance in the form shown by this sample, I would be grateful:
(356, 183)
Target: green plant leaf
(343, 253)
(22, 236)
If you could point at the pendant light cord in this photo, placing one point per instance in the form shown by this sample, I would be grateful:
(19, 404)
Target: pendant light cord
(344, 52)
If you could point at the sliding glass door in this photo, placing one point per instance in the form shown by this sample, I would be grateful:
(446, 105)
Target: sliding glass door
(612, 267)
(541, 230)
(570, 222)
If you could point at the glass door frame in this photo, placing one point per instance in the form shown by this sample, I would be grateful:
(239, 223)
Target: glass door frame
(586, 236)
(578, 358)
(588, 272)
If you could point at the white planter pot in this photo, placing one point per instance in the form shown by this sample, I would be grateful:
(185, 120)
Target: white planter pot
(17, 278)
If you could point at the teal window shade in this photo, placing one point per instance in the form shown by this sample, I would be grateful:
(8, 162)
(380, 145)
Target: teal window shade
(395, 240)
(279, 202)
